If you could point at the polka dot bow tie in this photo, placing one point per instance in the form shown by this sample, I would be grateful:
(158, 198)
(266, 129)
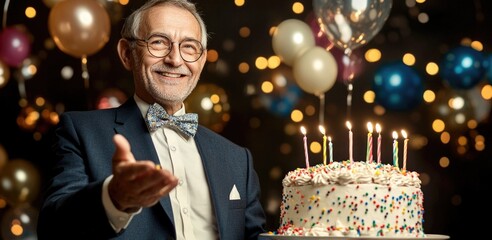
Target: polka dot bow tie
(158, 117)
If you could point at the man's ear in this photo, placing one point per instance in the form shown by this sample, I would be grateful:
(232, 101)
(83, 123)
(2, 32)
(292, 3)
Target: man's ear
(124, 52)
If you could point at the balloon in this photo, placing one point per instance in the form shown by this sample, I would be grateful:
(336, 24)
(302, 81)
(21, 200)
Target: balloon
(462, 67)
(79, 27)
(285, 94)
(457, 107)
(351, 23)
(211, 104)
(397, 86)
(51, 3)
(14, 46)
(20, 182)
(20, 223)
(292, 38)
(315, 71)
(4, 74)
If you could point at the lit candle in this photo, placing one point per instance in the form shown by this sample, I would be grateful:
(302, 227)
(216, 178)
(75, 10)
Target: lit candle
(351, 142)
(369, 143)
(395, 149)
(322, 130)
(330, 145)
(303, 131)
(378, 129)
(405, 146)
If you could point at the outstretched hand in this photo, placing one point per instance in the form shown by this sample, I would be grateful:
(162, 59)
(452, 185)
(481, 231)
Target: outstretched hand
(136, 184)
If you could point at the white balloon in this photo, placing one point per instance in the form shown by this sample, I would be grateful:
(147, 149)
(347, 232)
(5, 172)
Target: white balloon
(291, 39)
(315, 71)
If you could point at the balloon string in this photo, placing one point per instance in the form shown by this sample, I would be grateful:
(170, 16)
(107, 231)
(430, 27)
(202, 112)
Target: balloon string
(21, 84)
(350, 88)
(348, 76)
(85, 72)
(322, 109)
(5, 8)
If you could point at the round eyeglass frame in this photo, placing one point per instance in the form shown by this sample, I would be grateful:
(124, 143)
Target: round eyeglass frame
(170, 49)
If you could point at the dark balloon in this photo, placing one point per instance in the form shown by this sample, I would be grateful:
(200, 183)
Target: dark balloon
(462, 67)
(14, 46)
(397, 87)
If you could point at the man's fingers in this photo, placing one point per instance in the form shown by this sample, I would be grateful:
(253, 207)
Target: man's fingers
(122, 151)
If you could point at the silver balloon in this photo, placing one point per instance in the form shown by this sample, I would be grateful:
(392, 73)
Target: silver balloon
(351, 23)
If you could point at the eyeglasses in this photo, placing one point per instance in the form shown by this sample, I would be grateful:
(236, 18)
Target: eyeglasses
(160, 46)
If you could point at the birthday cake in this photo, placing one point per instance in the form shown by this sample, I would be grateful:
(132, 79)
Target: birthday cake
(352, 199)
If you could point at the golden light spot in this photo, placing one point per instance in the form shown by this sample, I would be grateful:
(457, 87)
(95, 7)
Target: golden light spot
(124, 2)
(369, 96)
(30, 12)
(310, 110)
(315, 147)
(244, 32)
(372, 55)
(243, 67)
(274, 62)
(429, 96)
(267, 87)
(486, 92)
(408, 59)
(296, 115)
(239, 3)
(438, 125)
(297, 8)
(462, 141)
(261, 63)
(212, 55)
(444, 162)
(445, 137)
(432, 68)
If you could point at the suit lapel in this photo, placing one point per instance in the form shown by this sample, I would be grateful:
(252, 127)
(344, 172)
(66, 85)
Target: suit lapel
(129, 123)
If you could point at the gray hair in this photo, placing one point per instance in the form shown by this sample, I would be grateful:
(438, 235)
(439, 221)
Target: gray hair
(132, 23)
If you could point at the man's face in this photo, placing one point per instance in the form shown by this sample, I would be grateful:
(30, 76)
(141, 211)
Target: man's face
(167, 80)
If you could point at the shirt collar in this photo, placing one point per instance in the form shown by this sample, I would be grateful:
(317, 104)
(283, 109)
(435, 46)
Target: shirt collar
(144, 107)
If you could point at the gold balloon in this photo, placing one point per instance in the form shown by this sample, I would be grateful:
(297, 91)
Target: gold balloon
(211, 104)
(20, 182)
(51, 3)
(79, 28)
(4, 74)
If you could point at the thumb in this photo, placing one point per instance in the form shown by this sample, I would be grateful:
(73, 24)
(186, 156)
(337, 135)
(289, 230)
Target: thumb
(122, 151)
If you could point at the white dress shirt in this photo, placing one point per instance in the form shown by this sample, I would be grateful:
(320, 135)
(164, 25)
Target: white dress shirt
(191, 202)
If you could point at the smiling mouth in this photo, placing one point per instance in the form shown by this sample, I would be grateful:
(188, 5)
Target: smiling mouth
(168, 74)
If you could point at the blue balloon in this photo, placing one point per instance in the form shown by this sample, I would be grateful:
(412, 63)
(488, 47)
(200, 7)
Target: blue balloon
(462, 67)
(397, 87)
(285, 95)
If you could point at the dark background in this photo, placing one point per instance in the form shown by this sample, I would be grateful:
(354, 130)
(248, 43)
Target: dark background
(454, 194)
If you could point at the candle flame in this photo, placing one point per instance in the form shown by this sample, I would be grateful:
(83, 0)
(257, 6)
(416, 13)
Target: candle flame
(378, 128)
(349, 126)
(369, 127)
(404, 134)
(329, 138)
(303, 130)
(322, 129)
(395, 135)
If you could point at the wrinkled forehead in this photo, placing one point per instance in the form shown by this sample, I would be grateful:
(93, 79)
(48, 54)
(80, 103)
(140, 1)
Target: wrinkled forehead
(170, 20)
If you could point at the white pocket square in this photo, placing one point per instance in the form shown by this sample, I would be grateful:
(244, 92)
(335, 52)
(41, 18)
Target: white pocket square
(234, 195)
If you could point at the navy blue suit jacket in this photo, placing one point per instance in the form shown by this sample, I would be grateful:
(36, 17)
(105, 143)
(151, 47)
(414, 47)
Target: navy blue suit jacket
(72, 207)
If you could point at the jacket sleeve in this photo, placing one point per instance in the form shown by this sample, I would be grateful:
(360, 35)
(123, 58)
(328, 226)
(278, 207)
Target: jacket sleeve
(72, 207)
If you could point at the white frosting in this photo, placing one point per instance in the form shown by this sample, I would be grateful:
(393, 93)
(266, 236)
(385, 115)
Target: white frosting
(355, 173)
